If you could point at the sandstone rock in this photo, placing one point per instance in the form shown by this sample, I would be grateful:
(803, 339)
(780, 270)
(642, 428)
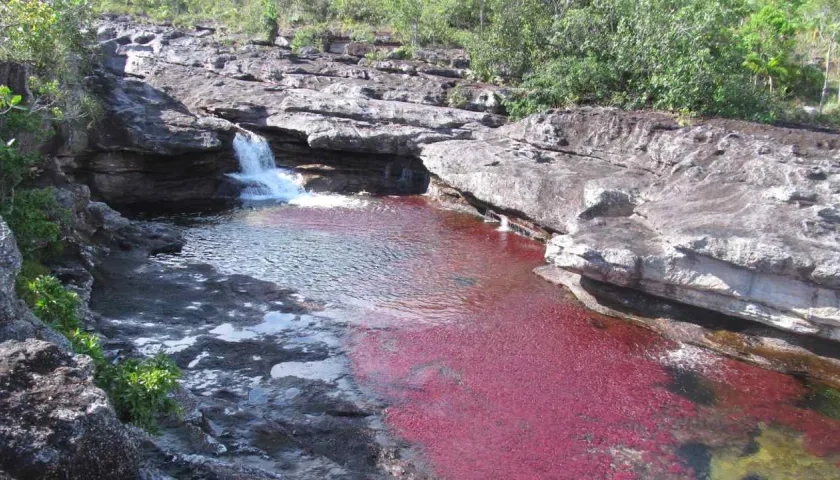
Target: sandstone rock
(308, 51)
(764, 346)
(694, 214)
(139, 118)
(15, 76)
(106, 32)
(10, 262)
(55, 423)
(134, 150)
(143, 38)
(728, 216)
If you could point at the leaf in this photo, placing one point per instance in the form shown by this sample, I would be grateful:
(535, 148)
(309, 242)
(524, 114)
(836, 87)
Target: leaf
(15, 100)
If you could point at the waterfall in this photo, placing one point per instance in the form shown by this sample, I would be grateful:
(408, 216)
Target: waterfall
(264, 181)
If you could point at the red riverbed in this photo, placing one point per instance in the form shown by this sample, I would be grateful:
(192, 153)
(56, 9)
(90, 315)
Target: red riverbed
(495, 374)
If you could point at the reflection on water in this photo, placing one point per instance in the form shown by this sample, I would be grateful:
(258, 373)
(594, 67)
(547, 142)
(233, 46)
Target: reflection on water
(496, 375)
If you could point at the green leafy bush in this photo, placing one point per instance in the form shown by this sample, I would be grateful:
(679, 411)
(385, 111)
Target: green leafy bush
(311, 36)
(54, 304)
(139, 389)
(15, 168)
(405, 52)
(362, 33)
(54, 38)
(456, 98)
(36, 218)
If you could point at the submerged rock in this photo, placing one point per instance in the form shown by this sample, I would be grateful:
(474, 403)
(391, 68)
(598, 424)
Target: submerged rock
(54, 422)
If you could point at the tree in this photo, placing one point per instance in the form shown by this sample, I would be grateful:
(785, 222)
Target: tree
(514, 39)
(823, 17)
(769, 37)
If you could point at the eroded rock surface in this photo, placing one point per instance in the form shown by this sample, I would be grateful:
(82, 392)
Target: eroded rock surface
(16, 321)
(732, 217)
(173, 98)
(55, 422)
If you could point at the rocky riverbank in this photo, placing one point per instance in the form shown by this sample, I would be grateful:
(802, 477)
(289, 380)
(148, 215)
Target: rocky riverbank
(720, 234)
(266, 392)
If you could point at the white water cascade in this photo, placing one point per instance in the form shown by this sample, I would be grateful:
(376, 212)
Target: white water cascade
(504, 224)
(265, 182)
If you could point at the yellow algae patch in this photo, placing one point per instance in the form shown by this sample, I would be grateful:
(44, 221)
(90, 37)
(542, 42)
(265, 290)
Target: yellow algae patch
(781, 455)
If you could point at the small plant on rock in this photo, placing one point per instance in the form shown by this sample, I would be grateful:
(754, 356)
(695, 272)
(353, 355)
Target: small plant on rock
(139, 390)
(456, 98)
(362, 34)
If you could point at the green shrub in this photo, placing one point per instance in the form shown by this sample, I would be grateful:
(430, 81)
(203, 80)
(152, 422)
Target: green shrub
(405, 52)
(15, 168)
(456, 98)
(139, 390)
(375, 55)
(54, 304)
(36, 218)
(312, 36)
(359, 11)
(362, 33)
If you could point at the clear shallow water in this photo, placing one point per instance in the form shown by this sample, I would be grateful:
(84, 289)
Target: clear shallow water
(495, 374)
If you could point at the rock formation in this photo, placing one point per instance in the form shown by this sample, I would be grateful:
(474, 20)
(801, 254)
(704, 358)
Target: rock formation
(55, 422)
(16, 321)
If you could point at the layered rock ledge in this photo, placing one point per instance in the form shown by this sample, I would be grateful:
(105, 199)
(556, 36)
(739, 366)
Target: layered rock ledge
(736, 218)
(732, 217)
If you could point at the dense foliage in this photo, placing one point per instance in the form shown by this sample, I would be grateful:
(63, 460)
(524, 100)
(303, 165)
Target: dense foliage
(755, 59)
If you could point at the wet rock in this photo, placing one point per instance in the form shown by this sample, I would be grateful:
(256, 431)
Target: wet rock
(143, 38)
(55, 423)
(308, 51)
(230, 334)
(752, 342)
(106, 32)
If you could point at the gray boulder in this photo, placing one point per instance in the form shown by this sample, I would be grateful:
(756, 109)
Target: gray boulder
(54, 423)
(358, 49)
